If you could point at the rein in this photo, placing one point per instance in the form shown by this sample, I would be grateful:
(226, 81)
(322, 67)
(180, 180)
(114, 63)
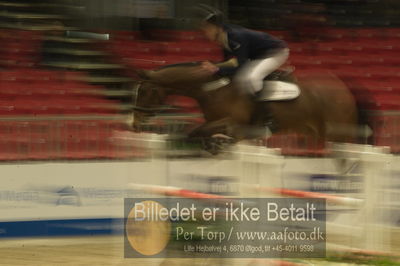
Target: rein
(135, 96)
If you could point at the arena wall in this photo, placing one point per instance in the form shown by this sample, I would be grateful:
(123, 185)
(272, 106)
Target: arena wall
(78, 198)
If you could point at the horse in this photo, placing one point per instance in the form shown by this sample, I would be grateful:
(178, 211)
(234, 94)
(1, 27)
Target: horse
(325, 109)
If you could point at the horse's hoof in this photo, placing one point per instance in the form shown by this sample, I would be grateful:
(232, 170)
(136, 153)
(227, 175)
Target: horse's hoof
(217, 143)
(222, 136)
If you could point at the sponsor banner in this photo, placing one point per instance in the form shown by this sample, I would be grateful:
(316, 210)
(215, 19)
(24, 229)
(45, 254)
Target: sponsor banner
(49, 199)
(96, 190)
(228, 228)
(80, 197)
(72, 190)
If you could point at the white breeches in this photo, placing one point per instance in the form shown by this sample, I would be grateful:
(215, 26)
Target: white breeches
(250, 77)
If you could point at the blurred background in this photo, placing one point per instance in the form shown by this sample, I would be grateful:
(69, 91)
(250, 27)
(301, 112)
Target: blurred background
(77, 57)
(66, 79)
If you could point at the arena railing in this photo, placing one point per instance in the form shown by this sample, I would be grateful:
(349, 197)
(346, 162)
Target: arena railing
(49, 137)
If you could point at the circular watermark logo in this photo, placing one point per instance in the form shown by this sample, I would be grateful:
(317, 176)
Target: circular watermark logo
(147, 235)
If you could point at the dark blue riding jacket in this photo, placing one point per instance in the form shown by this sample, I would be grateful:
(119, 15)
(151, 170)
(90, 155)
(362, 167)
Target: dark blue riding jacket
(245, 44)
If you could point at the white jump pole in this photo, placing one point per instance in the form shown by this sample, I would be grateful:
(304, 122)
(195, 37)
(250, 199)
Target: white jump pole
(258, 165)
(261, 171)
(375, 163)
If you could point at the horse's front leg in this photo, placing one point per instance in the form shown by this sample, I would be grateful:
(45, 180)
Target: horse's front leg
(208, 129)
(227, 126)
(215, 136)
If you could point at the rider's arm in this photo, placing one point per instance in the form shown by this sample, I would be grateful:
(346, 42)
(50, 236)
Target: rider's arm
(239, 52)
(232, 62)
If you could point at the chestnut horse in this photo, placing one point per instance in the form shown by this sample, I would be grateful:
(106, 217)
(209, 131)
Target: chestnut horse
(325, 109)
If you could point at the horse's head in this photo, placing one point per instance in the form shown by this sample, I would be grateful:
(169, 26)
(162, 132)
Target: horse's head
(149, 94)
(147, 99)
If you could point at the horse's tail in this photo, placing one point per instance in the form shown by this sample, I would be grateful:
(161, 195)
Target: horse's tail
(365, 122)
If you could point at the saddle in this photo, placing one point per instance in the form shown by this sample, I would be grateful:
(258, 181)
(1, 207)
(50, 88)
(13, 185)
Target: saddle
(280, 85)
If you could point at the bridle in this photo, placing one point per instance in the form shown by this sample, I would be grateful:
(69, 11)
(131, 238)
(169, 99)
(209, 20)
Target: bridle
(135, 93)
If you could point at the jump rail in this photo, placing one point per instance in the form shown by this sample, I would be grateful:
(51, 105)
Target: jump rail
(186, 193)
(258, 166)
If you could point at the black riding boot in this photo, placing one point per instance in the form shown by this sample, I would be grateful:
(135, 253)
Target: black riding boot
(265, 115)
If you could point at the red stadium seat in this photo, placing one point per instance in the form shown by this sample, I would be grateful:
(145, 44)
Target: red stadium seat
(19, 48)
(9, 150)
(368, 33)
(174, 59)
(391, 33)
(189, 49)
(385, 102)
(24, 145)
(379, 86)
(366, 60)
(176, 35)
(339, 48)
(30, 74)
(351, 72)
(299, 48)
(283, 35)
(383, 72)
(304, 61)
(21, 93)
(338, 34)
(89, 140)
(379, 46)
(138, 48)
(373, 72)
(296, 145)
(84, 105)
(331, 61)
(390, 58)
(124, 35)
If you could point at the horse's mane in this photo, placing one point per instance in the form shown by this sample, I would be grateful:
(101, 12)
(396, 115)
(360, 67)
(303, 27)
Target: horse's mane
(186, 64)
(178, 75)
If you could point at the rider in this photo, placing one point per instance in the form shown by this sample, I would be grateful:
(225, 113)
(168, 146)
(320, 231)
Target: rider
(258, 54)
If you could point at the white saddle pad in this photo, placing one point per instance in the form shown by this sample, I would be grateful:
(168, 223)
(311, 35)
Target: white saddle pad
(272, 91)
(278, 91)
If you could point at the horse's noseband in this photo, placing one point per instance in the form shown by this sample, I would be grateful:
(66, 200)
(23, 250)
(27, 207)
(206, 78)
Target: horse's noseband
(135, 93)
